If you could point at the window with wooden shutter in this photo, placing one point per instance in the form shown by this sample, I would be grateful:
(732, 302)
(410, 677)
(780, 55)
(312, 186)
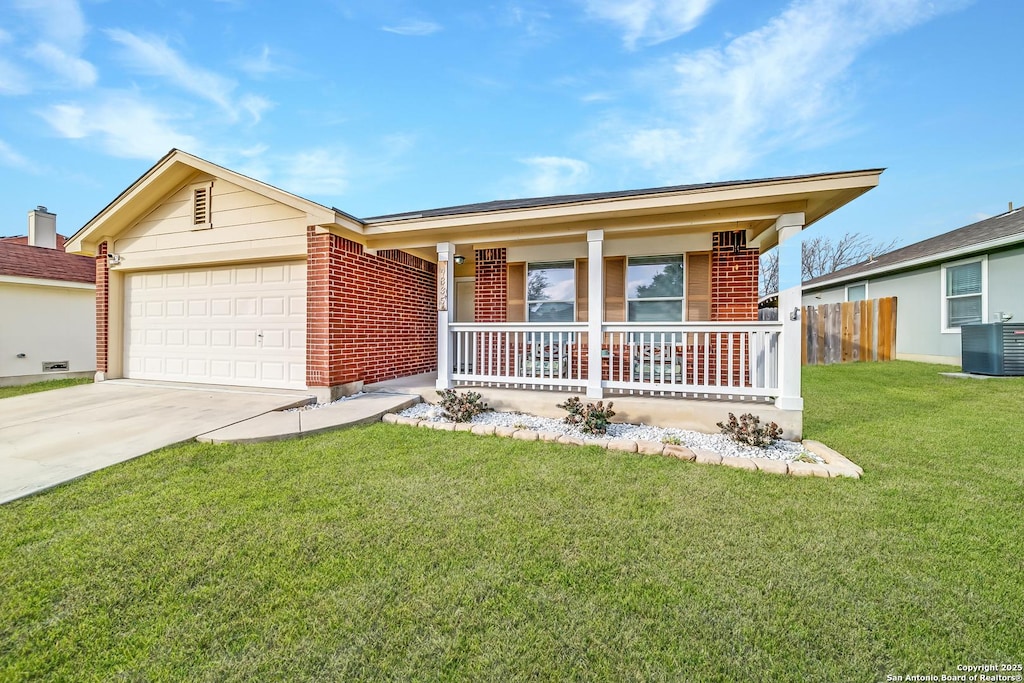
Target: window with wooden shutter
(698, 285)
(582, 284)
(202, 196)
(615, 289)
(516, 297)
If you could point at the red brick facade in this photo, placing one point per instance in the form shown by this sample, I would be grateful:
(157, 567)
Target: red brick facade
(734, 272)
(491, 288)
(102, 307)
(368, 317)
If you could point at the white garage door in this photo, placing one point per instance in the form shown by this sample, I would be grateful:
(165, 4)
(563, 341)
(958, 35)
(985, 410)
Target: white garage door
(240, 325)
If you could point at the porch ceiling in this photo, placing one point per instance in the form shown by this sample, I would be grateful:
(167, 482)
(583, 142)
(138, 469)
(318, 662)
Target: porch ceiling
(752, 207)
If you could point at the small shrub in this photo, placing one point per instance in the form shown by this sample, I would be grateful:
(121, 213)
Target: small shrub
(461, 407)
(590, 419)
(672, 440)
(747, 430)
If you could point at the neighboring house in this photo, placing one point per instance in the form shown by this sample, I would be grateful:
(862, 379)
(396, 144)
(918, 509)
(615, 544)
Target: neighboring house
(210, 276)
(47, 304)
(973, 274)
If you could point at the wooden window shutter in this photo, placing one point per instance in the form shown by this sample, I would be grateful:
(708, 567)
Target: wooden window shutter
(615, 289)
(582, 284)
(516, 297)
(698, 285)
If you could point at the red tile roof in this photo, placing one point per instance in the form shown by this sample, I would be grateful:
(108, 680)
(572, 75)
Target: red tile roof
(20, 260)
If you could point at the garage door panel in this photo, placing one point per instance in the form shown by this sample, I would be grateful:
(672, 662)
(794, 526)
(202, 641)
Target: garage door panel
(226, 325)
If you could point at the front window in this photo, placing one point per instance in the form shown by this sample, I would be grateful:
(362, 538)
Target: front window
(551, 292)
(654, 288)
(964, 294)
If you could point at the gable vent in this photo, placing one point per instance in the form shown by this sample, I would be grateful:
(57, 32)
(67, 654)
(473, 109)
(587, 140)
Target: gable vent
(201, 209)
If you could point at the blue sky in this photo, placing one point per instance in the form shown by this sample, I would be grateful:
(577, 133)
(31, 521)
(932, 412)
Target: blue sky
(392, 105)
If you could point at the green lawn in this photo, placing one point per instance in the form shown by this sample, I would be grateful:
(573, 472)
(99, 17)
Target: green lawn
(401, 553)
(7, 392)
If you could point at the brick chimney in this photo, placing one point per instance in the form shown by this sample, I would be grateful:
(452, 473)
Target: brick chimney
(42, 228)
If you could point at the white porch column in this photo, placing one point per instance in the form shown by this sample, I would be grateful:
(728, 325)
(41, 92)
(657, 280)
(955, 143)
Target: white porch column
(790, 228)
(595, 310)
(445, 311)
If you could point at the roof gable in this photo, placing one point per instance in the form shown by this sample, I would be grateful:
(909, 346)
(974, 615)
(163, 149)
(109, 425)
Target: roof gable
(169, 174)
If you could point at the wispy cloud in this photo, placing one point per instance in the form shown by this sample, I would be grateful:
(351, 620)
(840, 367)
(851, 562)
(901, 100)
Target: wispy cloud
(10, 157)
(720, 109)
(413, 27)
(649, 22)
(60, 22)
(314, 172)
(152, 55)
(262, 64)
(123, 124)
(74, 71)
(554, 175)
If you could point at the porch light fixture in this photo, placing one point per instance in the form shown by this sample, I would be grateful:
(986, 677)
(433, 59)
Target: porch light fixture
(113, 259)
(459, 259)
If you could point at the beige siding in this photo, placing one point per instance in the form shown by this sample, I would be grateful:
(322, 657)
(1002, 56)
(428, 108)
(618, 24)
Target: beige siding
(246, 225)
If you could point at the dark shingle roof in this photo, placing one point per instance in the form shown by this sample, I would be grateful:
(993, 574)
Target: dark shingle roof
(18, 259)
(535, 202)
(936, 248)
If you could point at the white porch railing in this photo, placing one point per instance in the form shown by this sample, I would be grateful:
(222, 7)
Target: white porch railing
(697, 360)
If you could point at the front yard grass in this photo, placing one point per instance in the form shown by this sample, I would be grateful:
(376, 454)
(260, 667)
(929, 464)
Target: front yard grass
(7, 392)
(394, 552)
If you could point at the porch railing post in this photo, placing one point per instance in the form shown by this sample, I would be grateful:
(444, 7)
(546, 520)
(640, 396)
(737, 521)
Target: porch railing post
(595, 311)
(790, 227)
(445, 306)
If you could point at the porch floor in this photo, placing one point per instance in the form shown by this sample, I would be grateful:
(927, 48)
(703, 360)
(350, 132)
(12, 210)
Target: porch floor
(681, 413)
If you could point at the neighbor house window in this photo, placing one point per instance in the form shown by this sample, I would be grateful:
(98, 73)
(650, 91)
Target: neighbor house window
(654, 288)
(857, 292)
(963, 293)
(551, 292)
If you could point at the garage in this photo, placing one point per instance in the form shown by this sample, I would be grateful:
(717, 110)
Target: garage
(241, 325)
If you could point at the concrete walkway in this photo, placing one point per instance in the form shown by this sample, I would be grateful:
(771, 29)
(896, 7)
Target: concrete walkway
(54, 436)
(359, 410)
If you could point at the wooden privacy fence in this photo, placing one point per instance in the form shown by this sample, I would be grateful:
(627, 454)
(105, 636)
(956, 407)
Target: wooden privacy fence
(849, 332)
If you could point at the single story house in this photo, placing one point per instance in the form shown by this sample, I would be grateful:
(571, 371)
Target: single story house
(206, 275)
(47, 303)
(974, 274)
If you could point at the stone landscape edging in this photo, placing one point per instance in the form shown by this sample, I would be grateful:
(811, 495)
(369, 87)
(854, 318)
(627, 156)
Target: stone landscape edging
(836, 465)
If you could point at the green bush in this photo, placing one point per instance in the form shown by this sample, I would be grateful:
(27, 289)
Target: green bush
(461, 407)
(591, 419)
(747, 430)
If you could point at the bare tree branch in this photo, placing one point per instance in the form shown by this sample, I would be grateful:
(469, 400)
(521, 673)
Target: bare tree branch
(822, 255)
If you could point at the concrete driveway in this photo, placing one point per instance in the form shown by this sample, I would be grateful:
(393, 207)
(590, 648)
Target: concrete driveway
(54, 436)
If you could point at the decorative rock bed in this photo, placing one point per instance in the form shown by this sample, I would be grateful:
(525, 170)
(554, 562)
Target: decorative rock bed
(782, 457)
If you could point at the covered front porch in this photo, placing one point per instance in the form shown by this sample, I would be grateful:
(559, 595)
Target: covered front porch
(647, 295)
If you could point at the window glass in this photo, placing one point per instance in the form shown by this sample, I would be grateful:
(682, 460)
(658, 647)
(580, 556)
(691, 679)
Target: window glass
(963, 294)
(551, 291)
(856, 292)
(654, 288)
(965, 279)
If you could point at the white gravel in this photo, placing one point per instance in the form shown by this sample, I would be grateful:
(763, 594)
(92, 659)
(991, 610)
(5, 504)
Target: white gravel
(719, 443)
(317, 406)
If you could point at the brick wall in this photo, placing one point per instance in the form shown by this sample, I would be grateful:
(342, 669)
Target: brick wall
(491, 288)
(733, 277)
(102, 307)
(368, 317)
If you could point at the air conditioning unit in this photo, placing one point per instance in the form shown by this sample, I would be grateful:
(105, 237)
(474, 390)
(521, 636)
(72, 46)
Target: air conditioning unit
(993, 349)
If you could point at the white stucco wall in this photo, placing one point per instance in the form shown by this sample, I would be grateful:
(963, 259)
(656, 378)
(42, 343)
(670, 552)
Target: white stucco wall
(46, 323)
